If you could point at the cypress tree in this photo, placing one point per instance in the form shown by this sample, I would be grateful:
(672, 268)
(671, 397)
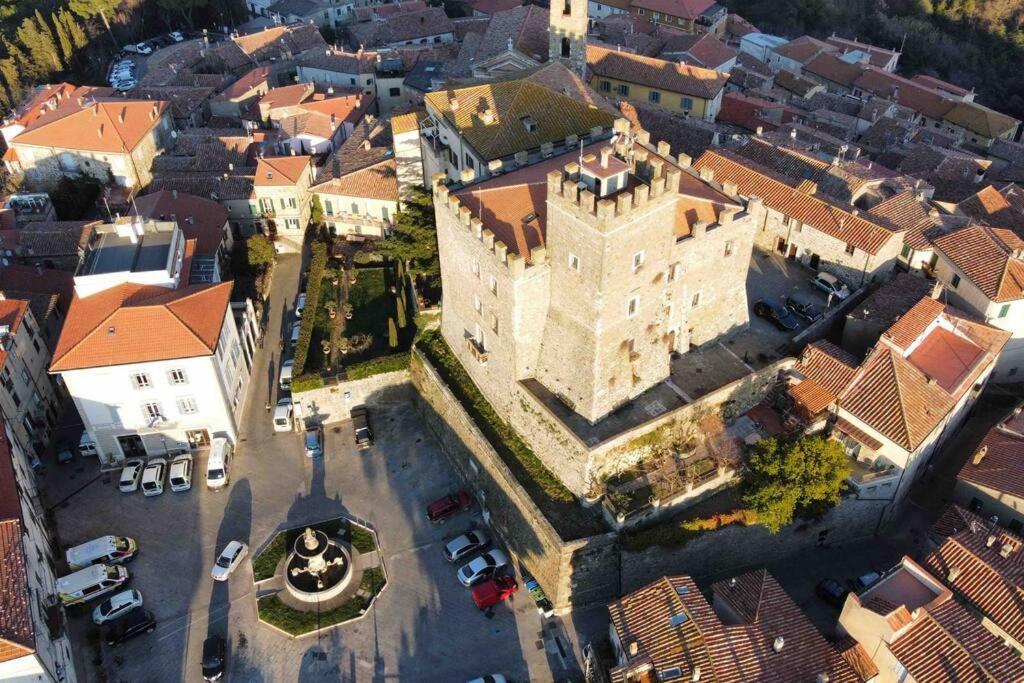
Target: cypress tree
(400, 307)
(63, 39)
(12, 80)
(73, 29)
(392, 333)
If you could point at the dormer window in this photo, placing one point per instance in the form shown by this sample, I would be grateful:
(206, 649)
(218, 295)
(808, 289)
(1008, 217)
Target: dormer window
(529, 123)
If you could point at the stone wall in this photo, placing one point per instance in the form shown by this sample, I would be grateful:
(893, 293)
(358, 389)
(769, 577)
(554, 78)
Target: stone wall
(571, 573)
(333, 403)
(734, 548)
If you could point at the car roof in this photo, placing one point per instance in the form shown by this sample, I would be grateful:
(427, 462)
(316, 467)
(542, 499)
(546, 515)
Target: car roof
(180, 463)
(232, 546)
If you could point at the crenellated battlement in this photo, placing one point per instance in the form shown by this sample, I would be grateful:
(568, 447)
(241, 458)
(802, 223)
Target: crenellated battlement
(463, 216)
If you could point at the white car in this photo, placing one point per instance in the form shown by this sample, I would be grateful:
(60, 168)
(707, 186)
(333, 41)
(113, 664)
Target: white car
(116, 606)
(153, 477)
(296, 329)
(143, 49)
(229, 559)
(176, 36)
(464, 545)
(283, 415)
(125, 85)
(482, 567)
(180, 476)
(830, 284)
(300, 305)
(130, 476)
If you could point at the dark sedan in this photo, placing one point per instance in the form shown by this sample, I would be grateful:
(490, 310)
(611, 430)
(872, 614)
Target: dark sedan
(777, 315)
(803, 310)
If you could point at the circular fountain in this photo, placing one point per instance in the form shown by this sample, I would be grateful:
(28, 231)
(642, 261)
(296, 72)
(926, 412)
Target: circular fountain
(318, 568)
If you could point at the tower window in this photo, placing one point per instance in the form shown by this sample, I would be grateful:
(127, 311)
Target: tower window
(654, 96)
(567, 8)
(574, 262)
(565, 47)
(634, 305)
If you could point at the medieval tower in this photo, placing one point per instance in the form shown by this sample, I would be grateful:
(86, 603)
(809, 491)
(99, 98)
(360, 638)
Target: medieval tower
(567, 34)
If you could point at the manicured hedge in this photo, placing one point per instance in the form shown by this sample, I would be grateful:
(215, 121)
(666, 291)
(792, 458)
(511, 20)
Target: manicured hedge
(314, 280)
(378, 366)
(307, 383)
(276, 613)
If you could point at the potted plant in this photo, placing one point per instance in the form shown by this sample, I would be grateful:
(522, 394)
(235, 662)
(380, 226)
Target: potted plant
(348, 311)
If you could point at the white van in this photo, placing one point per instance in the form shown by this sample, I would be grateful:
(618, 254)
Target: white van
(218, 467)
(285, 382)
(86, 446)
(102, 550)
(89, 583)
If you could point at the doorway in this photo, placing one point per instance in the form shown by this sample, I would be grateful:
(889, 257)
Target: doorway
(131, 445)
(792, 252)
(813, 263)
(781, 246)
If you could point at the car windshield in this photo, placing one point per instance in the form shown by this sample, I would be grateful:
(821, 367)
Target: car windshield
(177, 480)
(106, 606)
(472, 538)
(215, 474)
(122, 544)
(224, 561)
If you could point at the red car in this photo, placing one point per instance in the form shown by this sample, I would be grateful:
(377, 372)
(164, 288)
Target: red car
(491, 592)
(443, 508)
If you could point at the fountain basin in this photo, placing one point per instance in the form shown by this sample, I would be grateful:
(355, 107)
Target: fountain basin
(318, 568)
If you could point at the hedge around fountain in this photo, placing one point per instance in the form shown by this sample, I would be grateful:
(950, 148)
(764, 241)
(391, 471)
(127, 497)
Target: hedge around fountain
(279, 615)
(264, 564)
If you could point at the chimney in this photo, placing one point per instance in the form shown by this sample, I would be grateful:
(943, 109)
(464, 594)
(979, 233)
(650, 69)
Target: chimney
(792, 133)
(366, 145)
(174, 194)
(634, 648)
(292, 151)
(696, 673)
(990, 541)
(759, 132)
(606, 152)
(953, 574)
(1006, 550)
(778, 643)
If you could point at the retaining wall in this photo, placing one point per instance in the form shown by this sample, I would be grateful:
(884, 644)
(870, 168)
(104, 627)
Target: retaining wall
(333, 403)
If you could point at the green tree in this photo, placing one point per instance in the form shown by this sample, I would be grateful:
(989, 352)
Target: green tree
(316, 211)
(392, 333)
(72, 29)
(413, 237)
(785, 477)
(11, 80)
(400, 311)
(27, 69)
(60, 31)
(260, 252)
(184, 8)
(42, 49)
(104, 9)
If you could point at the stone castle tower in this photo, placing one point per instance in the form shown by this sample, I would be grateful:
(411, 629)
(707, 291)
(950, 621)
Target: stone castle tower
(567, 34)
(610, 242)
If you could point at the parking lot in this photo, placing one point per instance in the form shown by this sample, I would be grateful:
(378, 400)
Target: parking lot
(423, 626)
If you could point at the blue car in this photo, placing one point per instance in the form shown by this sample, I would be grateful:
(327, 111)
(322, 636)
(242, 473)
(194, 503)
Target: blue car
(314, 441)
(777, 315)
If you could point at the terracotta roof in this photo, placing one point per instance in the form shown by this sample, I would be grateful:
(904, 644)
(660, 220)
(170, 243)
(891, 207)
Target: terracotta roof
(857, 434)
(910, 213)
(389, 10)
(802, 49)
(245, 84)
(407, 122)
(379, 181)
(939, 84)
(892, 300)
(270, 42)
(493, 6)
(947, 643)
(17, 635)
(981, 120)
(997, 463)
(556, 116)
(986, 256)
(286, 96)
(795, 83)
(656, 73)
(682, 133)
(906, 330)
(401, 27)
(878, 56)
(525, 26)
(48, 238)
(278, 171)
(954, 519)
(737, 26)
(827, 369)
(199, 218)
(133, 323)
(828, 217)
(116, 125)
(340, 61)
(703, 48)
(688, 9)
(858, 658)
(927, 101)
(45, 290)
(830, 67)
(184, 100)
(673, 626)
(991, 207)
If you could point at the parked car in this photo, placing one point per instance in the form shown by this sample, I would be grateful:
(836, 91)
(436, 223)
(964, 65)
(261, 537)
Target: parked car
(777, 315)
(130, 476)
(832, 592)
(86, 446)
(491, 592)
(806, 311)
(866, 580)
(465, 545)
(443, 508)
(116, 606)
(294, 338)
(490, 678)
(483, 567)
(361, 426)
(283, 415)
(229, 559)
(64, 453)
(300, 304)
(285, 380)
(830, 284)
(103, 550)
(180, 476)
(133, 624)
(153, 477)
(214, 656)
(90, 583)
(218, 465)
(176, 36)
(314, 441)
(143, 48)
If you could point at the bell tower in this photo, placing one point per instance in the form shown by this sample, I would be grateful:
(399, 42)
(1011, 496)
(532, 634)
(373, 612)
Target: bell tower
(567, 34)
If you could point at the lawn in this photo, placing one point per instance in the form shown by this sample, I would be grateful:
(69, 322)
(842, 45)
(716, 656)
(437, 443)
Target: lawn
(276, 613)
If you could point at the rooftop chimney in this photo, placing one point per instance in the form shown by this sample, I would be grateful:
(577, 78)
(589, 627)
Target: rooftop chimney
(778, 643)
(634, 648)
(174, 194)
(606, 153)
(980, 454)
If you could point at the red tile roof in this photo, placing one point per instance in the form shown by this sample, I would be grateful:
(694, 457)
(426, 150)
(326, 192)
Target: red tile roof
(705, 48)
(992, 207)
(878, 56)
(830, 67)
(752, 113)
(828, 217)
(17, 635)
(280, 171)
(987, 257)
(199, 218)
(997, 463)
(977, 573)
(655, 73)
(139, 323)
(379, 181)
(906, 330)
(108, 125)
(688, 9)
(929, 102)
(828, 370)
(249, 81)
(803, 49)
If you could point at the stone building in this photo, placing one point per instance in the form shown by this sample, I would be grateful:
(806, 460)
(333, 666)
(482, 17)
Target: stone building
(564, 279)
(281, 188)
(567, 35)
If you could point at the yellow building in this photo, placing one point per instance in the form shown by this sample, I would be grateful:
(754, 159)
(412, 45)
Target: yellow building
(680, 88)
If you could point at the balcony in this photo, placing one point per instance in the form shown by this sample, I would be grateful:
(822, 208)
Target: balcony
(868, 474)
(476, 351)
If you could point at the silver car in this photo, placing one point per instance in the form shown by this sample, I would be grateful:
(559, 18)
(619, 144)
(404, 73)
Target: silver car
(483, 567)
(130, 476)
(465, 545)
